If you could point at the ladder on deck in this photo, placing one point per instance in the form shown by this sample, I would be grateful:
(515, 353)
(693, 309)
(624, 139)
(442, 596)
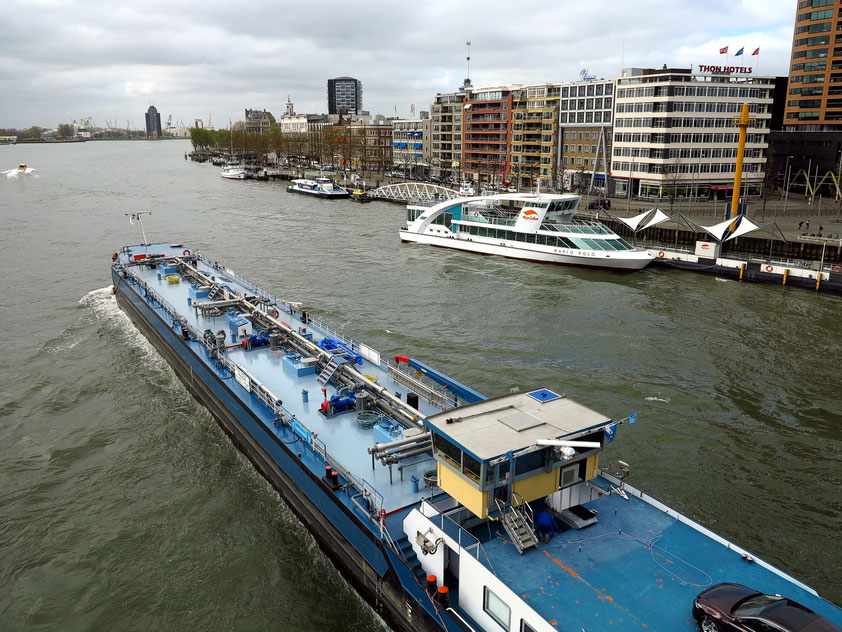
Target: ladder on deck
(330, 369)
(216, 290)
(519, 524)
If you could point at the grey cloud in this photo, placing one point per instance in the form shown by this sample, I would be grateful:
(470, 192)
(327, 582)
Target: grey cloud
(59, 60)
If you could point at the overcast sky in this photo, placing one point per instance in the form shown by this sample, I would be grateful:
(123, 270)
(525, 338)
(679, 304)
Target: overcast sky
(66, 59)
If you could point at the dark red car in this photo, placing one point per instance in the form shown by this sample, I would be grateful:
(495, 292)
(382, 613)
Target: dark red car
(736, 608)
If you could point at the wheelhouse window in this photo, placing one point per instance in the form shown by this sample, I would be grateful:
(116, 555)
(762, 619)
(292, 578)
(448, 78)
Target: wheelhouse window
(496, 608)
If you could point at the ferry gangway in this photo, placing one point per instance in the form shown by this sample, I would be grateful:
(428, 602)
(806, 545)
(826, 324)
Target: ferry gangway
(414, 191)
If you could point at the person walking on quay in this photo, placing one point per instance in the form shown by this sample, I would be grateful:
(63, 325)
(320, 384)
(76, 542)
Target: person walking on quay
(800, 224)
(807, 226)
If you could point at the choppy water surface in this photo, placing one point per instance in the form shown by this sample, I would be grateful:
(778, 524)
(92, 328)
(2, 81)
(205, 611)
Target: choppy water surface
(123, 506)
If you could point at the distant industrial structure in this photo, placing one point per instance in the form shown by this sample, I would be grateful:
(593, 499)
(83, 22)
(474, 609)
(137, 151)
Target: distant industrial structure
(153, 123)
(344, 95)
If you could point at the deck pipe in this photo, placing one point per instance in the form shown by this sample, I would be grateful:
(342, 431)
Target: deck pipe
(381, 447)
(394, 457)
(411, 414)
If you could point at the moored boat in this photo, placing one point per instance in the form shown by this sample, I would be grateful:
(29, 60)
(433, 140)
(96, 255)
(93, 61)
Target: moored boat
(233, 171)
(320, 187)
(532, 226)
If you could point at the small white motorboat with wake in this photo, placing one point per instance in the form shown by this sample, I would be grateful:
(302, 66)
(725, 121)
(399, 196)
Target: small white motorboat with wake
(233, 171)
(320, 187)
(532, 226)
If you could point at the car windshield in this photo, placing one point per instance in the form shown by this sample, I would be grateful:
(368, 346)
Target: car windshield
(756, 605)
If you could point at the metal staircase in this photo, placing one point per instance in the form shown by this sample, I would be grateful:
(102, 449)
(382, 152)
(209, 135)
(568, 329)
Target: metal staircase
(519, 524)
(330, 369)
(216, 290)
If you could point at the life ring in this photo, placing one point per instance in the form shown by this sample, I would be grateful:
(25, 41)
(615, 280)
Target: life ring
(274, 313)
(769, 268)
(837, 268)
(186, 252)
(661, 254)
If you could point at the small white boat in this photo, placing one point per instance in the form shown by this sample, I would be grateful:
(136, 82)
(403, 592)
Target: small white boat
(233, 171)
(531, 226)
(320, 187)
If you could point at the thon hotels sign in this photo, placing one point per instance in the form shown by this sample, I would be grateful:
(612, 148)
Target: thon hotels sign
(744, 70)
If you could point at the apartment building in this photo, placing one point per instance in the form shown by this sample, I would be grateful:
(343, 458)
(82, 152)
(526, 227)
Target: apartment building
(446, 134)
(586, 110)
(534, 154)
(411, 151)
(674, 132)
(487, 133)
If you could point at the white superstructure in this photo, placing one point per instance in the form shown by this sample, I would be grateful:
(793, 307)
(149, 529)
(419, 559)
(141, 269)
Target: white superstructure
(233, 171)
(532, 226)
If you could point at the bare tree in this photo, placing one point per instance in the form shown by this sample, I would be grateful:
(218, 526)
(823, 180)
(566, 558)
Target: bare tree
(672, 179)
(65, 130)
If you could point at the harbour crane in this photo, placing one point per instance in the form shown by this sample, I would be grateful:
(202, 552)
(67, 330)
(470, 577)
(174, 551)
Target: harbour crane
(169, 122)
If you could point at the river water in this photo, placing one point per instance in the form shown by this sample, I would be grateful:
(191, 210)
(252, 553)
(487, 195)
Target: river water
(124, 507)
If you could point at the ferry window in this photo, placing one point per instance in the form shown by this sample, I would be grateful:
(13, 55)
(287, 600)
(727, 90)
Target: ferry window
(525, 627)
(541, 239)
(496, 608)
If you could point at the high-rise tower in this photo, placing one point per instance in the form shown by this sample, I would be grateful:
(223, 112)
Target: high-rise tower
(346, 94)
(814, 102)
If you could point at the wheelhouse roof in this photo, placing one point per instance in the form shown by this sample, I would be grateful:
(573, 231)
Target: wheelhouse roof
(493, 427)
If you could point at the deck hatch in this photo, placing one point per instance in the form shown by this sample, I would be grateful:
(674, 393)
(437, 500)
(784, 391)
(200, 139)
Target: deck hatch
(544, 395)
(521, 421)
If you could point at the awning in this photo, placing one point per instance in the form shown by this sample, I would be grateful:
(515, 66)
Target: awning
(396, 144)
(746, 226)
(418, 145)
(401, 145)
(658, 217)
(417, 154)
(741, 223)
(647, 219)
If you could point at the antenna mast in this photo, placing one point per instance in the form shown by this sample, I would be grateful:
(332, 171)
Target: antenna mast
(137, 216)
(468, 59)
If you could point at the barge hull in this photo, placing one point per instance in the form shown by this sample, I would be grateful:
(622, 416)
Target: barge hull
(306, 496)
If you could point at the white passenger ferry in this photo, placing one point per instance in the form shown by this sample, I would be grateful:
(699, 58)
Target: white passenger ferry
(532, 226)
(320, 187)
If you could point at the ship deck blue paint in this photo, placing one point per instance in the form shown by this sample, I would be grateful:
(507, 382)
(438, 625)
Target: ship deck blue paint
(637, 568)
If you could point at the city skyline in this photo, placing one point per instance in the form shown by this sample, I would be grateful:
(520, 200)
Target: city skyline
(69, 60)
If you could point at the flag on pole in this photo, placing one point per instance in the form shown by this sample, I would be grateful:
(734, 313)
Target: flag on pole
(132, 218)
(756, 52)
(610, 431)
(739, 52)
(723, 51)
(632, 418)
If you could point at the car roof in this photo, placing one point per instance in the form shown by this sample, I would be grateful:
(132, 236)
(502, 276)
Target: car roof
(790, 615)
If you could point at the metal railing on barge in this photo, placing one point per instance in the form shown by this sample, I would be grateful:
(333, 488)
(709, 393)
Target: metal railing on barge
(367, 499)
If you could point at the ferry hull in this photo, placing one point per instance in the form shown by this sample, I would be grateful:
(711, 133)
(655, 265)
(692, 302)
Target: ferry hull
(320, 194)
(613, 261)
(381, 578)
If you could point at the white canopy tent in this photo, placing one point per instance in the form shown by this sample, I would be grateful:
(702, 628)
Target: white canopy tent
(652, 217)
(720, 232)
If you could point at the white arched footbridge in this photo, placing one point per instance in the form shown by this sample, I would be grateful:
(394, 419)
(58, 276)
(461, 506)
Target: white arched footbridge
(414, 191)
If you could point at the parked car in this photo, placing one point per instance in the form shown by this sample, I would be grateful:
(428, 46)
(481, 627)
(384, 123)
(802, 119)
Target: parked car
(737, 608)
(604, 204)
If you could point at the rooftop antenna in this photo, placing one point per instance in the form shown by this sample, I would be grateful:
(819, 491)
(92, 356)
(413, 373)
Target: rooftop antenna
(137, 216)
(468, 60)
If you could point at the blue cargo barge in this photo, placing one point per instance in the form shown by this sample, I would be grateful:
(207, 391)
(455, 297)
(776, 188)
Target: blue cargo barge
(445, 509)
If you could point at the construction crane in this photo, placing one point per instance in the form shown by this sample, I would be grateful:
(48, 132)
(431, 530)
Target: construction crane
(87, 121)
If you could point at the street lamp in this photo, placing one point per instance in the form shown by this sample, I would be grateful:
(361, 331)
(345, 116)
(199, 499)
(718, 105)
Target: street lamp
(631, 175)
